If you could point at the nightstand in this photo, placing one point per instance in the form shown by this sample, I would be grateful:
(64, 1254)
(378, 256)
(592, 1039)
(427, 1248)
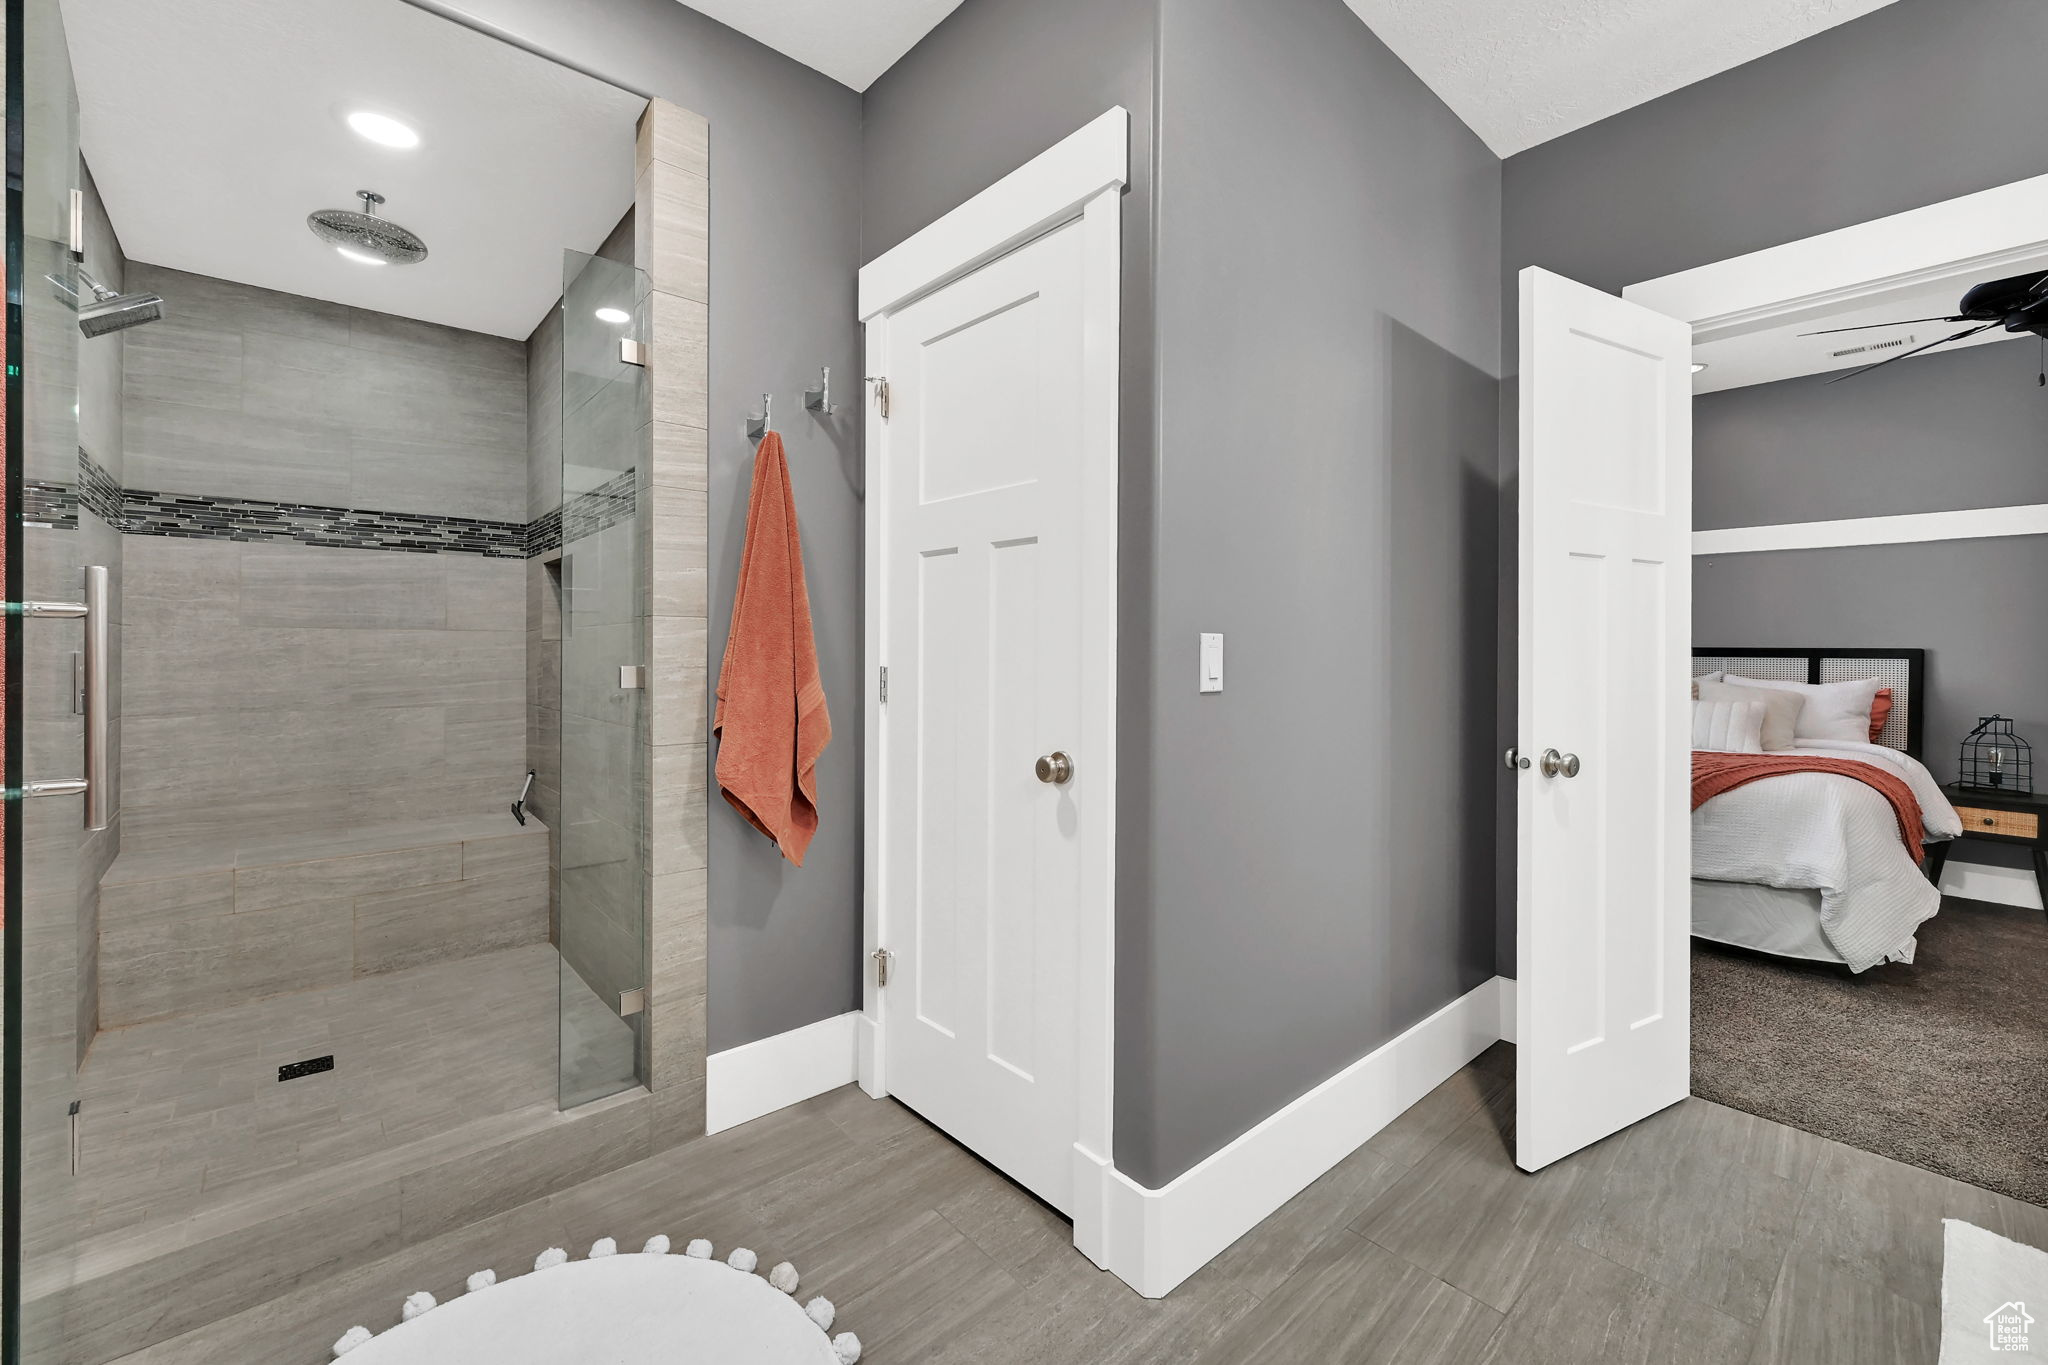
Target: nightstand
(2003, 818)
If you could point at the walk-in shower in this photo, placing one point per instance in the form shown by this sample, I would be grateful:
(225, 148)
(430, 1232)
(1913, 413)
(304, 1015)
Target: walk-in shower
(377, 554)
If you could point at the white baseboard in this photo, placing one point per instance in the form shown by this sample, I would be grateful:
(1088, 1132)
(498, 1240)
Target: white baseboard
(1986, 882)
(1154, 1239)
(1508, 1024)
(743, 1083)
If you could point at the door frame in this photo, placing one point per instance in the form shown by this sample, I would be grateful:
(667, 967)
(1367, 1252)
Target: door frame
(1080, 178)
(1964, 238)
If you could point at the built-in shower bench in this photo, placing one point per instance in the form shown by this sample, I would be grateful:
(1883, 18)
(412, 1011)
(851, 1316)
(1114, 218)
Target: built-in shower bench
(206, 924)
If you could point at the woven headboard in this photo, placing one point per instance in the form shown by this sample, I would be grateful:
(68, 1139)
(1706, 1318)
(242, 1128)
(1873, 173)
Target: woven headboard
(1901, 670)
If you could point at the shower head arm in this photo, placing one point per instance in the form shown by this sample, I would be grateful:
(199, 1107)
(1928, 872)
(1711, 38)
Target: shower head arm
(100, 292)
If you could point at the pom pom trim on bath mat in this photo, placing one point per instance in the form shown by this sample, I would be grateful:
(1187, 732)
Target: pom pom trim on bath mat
(647, 1306)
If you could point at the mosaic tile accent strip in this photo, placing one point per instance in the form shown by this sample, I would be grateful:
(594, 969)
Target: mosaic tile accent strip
(199, 516)
(49, 504)
(98, 490)
(613, 501)
(544, 533)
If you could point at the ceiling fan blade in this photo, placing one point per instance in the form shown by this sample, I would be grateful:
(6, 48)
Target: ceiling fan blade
(1866, 326)
(1969, 332)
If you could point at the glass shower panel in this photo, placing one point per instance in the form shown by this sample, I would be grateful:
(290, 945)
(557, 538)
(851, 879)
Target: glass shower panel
(602, 819)
(50, 931)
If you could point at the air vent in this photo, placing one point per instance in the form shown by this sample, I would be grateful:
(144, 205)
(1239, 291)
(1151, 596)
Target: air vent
(1897, 343)
(312, 1066)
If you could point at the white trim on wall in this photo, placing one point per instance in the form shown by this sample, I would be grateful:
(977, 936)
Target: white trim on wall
(1975, 523)
(1155, 1239)
(743, 1083)
(1965, 239)
(1044, 192)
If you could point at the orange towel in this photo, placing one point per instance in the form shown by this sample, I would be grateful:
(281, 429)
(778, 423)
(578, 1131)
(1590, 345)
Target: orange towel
(771, 721)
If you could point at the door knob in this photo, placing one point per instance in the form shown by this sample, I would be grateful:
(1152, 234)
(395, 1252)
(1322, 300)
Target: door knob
(1555, 764)
(1055, 768)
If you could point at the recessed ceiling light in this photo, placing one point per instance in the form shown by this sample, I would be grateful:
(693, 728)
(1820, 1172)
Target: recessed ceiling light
(361, 257)
(614, 315)
(382, 129)
(1698, 365)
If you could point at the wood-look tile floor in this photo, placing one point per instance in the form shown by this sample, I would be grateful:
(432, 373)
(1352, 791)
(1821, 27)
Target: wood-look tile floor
(1701, 1235)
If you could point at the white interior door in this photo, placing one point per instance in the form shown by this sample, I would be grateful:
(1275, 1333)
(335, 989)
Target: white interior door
(1604, 857)
(982, 636)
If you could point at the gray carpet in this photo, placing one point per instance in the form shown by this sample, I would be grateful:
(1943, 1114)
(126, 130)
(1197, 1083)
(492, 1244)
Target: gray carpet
(1943, 1064)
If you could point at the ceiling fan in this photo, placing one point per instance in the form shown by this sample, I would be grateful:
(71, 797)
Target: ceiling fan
(2018, 303)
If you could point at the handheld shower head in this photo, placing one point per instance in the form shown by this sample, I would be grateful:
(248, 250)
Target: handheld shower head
(111, 312)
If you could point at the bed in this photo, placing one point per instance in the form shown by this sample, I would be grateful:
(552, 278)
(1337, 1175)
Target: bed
(1810, 865)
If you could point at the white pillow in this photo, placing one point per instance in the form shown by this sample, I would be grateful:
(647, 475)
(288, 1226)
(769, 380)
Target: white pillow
(1715, 676)
(1781, 709)
(1836, 710)
(1728, 727)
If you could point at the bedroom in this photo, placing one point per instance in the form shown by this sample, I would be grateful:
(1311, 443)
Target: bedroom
(1866, 905)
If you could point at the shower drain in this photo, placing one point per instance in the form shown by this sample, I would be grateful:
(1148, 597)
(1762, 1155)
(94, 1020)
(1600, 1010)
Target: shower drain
(312, 1066)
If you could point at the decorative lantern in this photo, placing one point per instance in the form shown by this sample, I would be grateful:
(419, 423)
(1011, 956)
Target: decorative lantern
(1997, 760)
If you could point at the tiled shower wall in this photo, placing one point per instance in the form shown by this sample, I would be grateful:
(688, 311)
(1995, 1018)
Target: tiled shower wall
(543, 590)
(274, 687)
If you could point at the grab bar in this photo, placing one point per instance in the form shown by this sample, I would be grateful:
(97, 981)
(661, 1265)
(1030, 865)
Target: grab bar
(93, 610)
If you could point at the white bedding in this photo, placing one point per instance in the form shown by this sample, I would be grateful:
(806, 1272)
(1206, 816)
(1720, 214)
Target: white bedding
(1835, 835)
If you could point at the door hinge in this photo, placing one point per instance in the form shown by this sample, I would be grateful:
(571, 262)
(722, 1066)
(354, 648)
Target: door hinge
(884, 960)
(885, 684)
(881, 383)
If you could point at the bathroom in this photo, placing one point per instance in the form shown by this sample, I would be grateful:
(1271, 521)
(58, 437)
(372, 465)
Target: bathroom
(361, 431)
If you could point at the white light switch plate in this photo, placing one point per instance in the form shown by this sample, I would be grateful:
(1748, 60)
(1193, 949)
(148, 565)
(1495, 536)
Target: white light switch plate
(1212, 662)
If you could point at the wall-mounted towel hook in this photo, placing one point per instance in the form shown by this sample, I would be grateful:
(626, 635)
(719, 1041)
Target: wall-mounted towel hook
(757, 423)
(819, 400)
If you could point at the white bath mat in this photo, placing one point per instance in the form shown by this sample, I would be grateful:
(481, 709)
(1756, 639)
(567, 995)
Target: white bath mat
(1991, 1290)
(645, 1309)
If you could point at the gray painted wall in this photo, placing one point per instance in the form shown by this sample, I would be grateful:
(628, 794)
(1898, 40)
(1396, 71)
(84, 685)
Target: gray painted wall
(1972, 604)
(1328, 323)
(1327, 335)
(1813, 137)
(1936, 433)
(784, 943)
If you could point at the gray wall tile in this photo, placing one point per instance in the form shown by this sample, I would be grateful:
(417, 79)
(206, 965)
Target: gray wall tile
(246, 392)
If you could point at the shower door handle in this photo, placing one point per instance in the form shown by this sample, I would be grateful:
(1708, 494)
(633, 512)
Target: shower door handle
(93, 611)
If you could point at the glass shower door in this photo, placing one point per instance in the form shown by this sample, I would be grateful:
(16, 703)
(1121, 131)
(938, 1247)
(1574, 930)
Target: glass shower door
(602, 818)
(50, 928)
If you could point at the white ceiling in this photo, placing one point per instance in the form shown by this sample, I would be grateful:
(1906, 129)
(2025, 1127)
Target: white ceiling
(1520, 72)
(852, 41)
(213, 127)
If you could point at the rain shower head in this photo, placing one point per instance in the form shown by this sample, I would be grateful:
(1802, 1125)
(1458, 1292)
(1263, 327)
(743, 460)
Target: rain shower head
(111, 312)
(378, 240)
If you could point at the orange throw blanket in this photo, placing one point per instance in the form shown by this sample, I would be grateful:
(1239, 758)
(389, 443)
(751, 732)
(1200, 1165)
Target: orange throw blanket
(1714, 773)
(771, 720)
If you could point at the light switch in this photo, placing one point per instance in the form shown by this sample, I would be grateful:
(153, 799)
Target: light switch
(1212, 662)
